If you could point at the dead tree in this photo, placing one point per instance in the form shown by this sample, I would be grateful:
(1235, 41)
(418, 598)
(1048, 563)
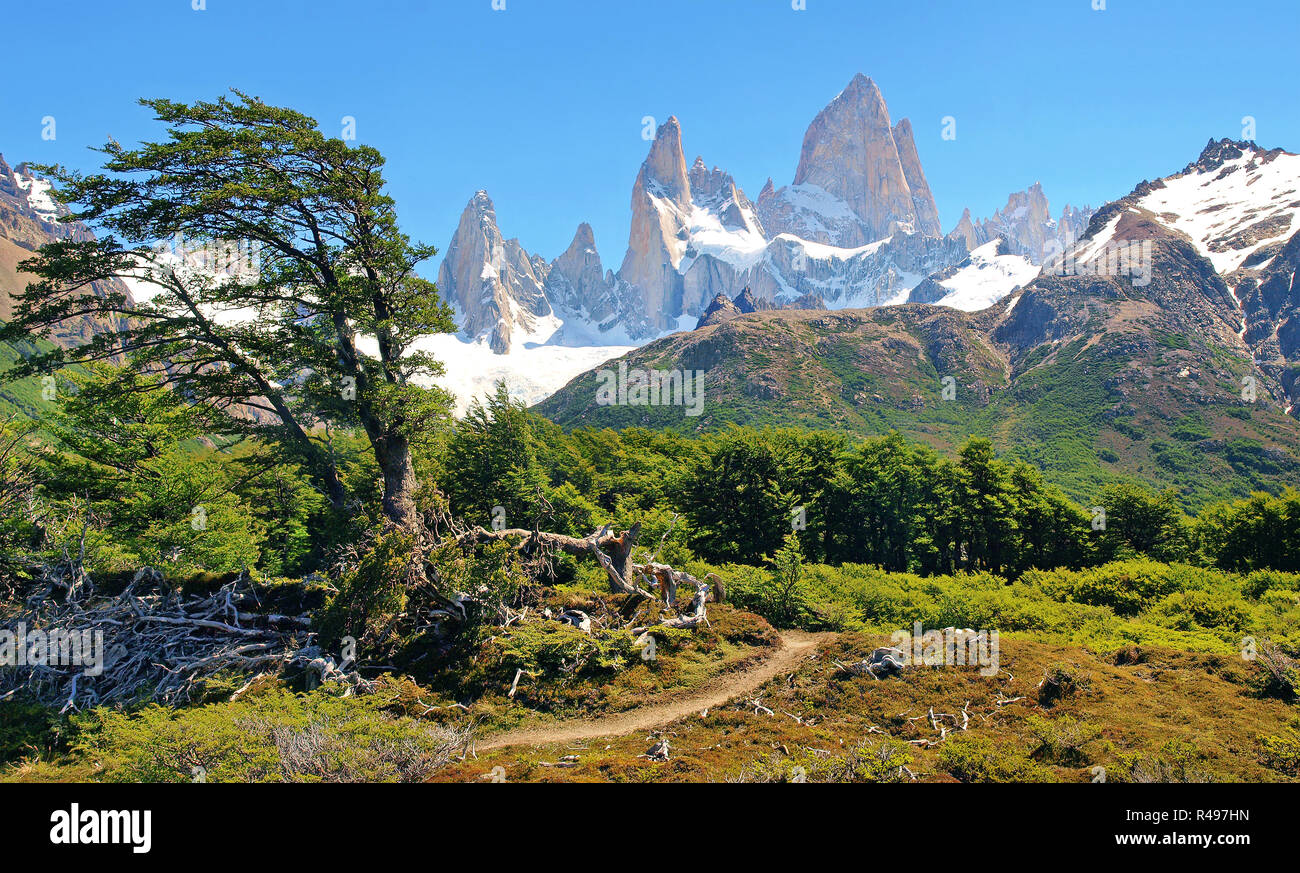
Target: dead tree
(613, 552)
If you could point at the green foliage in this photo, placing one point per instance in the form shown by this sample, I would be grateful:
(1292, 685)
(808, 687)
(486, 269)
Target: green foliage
(974, 758)
(783, 598)
(1104, 608)
(551, 652)
(870, 761)
(496, 457)
(19, 464)
(373, 594)
(329, 268)
(28, 729)
(1259, 532)
(1176, 761)
(748, 488)
(131, 479)
(269, 737)
(1139, 522)
(1281, 752)
(493, 571)
(1063, 741)
(1126, 587)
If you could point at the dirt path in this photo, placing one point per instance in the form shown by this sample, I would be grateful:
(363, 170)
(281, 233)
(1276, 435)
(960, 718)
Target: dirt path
(796, 646)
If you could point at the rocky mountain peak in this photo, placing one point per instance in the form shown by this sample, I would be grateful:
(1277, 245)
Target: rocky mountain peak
(664, 172)
(716, 191)
(745, 301)
(849, 151)
(859, 178)
(1216, 152)
(585, 237)
(1027, 225)
(495, 286)
(576, 283)
(927, 212)
(720, 309)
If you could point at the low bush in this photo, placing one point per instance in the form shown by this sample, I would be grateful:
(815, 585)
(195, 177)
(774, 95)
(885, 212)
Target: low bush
(274, 736)
(972, 758)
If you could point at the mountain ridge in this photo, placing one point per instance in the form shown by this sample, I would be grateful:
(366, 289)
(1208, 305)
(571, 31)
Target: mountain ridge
(1087, 371)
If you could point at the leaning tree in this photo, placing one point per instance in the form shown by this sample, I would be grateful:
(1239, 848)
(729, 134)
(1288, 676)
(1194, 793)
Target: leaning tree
(313, 326)
(318, 329)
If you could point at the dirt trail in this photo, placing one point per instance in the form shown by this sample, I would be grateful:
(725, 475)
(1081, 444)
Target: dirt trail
(796, 646)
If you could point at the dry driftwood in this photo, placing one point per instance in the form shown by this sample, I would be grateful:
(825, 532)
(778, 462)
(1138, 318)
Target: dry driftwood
(164, 645)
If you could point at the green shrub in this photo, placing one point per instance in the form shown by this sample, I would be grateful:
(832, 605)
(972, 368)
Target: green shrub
(1219, 610)
(270, 737)
(1063, 740)
(1281, 752)
(373, 594)
(972, 758)
(1176, 761)
(878, 762)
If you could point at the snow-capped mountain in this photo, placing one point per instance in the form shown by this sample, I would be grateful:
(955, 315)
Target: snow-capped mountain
(493, 283)
(857, 227)
(1232, 202)
(29, 219)
(1239, 205)
(1027, 225)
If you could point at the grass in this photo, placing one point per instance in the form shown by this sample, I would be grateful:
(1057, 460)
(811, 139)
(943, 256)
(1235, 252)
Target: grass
(1159, 708)
(1130, 672)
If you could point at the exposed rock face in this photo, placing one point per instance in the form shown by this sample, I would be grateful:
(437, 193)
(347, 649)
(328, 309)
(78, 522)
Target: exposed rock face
(650, 286)
(856, 182)
(1270, 304)
(577, 283)
(721, 309)
(496, 286)
(967, 231)
(927, 212)
(1027, 225)
(746, 302)
(28, 220)
(717, 192)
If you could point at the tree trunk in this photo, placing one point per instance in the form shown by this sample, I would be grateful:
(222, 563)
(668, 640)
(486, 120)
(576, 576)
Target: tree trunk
(393, 452)
(334, 490)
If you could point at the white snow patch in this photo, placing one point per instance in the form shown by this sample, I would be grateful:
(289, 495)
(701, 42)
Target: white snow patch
(531, 373)
(986, 279)
(37, 192)
(1212, 207)
(741, 248)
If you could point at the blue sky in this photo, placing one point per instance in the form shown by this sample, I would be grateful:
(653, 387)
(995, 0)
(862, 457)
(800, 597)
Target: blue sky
(542, 103)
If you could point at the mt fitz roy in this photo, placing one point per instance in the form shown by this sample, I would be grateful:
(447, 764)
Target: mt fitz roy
(857, 227)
